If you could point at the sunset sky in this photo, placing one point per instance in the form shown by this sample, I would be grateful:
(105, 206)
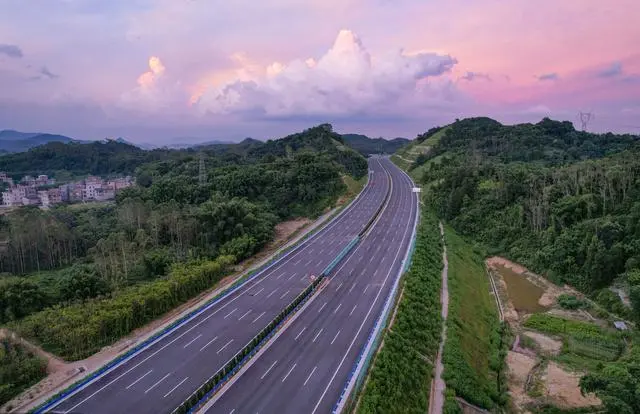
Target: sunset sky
(160, 71)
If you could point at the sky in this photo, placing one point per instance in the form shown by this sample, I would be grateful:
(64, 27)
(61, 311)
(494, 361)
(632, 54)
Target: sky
(175, 71)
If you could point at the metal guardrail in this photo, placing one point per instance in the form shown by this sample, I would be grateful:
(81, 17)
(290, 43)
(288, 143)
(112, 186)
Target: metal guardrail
(250, 275)
(217, 380)
(367, 351)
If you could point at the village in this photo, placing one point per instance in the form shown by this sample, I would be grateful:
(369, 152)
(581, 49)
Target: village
(42, 190)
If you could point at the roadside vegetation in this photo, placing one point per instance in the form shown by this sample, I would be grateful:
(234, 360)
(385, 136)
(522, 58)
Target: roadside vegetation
(19, 369)
(477, 343)
(76, 280)
(400, 376)
(559, 201)
(565, 204)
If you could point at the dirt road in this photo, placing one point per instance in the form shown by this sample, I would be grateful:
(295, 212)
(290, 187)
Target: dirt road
(436, 402)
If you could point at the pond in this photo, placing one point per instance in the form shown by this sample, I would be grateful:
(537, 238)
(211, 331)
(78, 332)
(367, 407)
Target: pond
(523, 294)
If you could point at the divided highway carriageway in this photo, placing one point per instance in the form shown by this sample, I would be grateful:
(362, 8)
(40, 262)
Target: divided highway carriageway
(305, 369)
(161, 376)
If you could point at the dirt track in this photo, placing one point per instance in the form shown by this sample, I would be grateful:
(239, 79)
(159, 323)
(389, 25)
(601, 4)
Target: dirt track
(438, 387)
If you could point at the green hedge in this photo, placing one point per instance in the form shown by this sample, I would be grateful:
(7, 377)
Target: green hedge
(78, 331)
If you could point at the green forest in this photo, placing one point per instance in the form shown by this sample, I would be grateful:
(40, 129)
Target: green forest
(367, 146)
(566, 204)
(75, 278)
(562, 202)
(19, 369)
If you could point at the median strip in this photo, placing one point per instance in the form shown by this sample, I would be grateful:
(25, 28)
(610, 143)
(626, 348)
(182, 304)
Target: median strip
(207, 390)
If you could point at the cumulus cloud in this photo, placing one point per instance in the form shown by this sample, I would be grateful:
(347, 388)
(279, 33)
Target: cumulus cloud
(548, 76)
(345, 80)
(12, 51)
(155, 90)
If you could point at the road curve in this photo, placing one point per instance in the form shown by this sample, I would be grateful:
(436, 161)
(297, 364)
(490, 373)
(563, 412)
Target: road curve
(160, 377)
(305, 369)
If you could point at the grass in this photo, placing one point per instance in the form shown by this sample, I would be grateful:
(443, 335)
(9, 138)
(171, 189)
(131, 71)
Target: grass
(414, 148)
(473, 354)
(400, 162)
(585, 345)
(354, 186)
(435, 138)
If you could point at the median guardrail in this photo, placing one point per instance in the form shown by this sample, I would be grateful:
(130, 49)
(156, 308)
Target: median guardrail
(217, 380)
(358, 372)
(249, 275)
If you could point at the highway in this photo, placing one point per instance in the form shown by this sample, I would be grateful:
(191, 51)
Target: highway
(305, 369)
(161, 376)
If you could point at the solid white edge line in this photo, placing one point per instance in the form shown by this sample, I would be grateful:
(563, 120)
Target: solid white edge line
(262, 275)
(351, 384)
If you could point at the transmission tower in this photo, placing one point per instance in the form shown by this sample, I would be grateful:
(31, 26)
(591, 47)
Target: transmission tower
(585, 118)
(202, 173)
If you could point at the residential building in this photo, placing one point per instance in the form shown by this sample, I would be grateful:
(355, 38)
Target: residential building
(30, 200)
(90, 189)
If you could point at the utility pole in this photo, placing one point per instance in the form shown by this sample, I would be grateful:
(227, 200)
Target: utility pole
(585, 118)
(202, 173)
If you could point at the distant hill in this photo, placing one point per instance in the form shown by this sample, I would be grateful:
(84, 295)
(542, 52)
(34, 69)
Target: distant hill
(98, 158)
(366, 146)
(16, 141)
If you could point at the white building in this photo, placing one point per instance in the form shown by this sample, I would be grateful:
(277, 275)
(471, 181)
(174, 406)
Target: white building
(10, 198)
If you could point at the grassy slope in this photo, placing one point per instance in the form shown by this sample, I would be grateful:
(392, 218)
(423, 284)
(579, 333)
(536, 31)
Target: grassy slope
(414, 148)
(353, 186)
(401, 373)
(406, 155)
(473, 327)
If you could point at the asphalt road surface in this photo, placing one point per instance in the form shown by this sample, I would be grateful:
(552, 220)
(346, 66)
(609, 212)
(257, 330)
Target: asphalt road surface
(159, 378)
(306, 368)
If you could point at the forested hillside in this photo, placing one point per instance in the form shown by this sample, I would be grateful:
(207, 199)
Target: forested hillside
(78, 277)
(74, 158)
(367, 146)
(563, 202)
(15, 141)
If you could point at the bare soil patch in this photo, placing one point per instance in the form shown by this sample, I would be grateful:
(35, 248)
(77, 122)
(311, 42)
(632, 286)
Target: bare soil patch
(520, 365)
(547, 383)
(563, 389)
(546, 343)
